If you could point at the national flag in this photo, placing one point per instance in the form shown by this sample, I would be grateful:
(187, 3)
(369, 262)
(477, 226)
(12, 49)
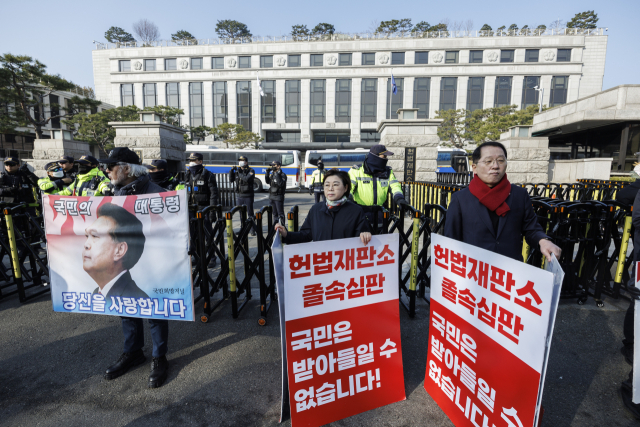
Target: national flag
(394, 88)
(260, 86)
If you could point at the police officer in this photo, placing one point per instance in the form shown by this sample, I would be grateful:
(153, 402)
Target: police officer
(90, 181)
(160, 176)
(16, 183)
(372, 182)
(202, 191)
(68, 164)
(278, 185)
(55, 181)
(316, 185)
(244, 177)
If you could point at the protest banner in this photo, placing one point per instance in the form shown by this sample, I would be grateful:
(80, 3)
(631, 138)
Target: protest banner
(120, 256)
(490, 332)
(342, 329)
(635, 383)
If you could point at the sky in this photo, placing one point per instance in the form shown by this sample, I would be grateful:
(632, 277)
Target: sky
(60, 34)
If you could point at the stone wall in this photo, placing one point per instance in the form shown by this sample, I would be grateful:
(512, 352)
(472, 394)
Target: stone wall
(49, 150)
(154, 140)
(528, 159)
(571, 170)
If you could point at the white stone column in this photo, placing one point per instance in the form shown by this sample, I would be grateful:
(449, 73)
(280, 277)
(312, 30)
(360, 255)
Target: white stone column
(184, 103)
(409, 59)
(207, 88)
(356, 103)
(232, 102)
(330, 100)
(434, 96)
(280, 103)
(305, 60)
(161, 93)
(305, 108)
(256, 100)
(138, 95)
(489, 91)
(516, 90)
(545, 84)
(382, 99)
(407, 101)
(461, 95)
(574, 87)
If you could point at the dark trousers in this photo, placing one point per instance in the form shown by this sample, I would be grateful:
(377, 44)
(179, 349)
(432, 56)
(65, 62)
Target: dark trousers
(248, 201)
(193, 228)
(133, 330)
(319, 195)
(278, 211)
(627, 327)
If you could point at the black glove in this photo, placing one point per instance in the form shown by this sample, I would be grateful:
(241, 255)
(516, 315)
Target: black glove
(311, 191)
(403, 202)
(25, 168)
(9, 191)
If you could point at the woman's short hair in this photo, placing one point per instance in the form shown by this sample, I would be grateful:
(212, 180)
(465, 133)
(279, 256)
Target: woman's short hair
(344, 177)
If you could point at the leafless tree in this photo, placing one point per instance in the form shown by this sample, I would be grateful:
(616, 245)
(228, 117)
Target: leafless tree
(146, 31)
(456, 26)
(558, 24)
(468, 26)
(373, 26)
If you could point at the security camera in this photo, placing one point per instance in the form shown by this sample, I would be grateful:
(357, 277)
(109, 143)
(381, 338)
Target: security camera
(536, 87)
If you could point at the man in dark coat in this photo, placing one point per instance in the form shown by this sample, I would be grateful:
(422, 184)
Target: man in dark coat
(244, 177)
(159, 174)
(129, 177)
(68, 166)
(493, 214)
(628, 193)
(16, 183)
(278, 186)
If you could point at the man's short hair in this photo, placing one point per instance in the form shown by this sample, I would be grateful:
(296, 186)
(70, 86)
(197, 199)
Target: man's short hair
(128, 229)
(477, 153)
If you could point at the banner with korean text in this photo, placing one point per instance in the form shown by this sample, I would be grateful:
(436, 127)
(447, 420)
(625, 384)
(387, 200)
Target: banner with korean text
(490, 332)
(120, 256)
(342, 328)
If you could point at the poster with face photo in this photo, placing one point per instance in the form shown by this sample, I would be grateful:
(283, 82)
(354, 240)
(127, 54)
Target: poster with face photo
(120, 256)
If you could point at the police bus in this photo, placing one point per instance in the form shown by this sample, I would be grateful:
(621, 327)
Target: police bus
(221, 160)
(339, 159)
(452, 160)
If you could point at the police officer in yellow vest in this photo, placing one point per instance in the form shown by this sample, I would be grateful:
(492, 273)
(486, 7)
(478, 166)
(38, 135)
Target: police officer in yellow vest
(317, 181)
(372, 182)
(90, 181)
(55, 181)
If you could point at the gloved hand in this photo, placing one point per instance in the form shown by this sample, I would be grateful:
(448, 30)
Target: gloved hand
(24, 168)
(311, 191)
(9, 192)
(403, 203)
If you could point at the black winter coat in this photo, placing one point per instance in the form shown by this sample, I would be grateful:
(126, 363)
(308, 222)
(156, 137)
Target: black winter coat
(243, 177)
(278, 184)
(18, 185)
(322, 223)
(628, 194)
(207, 188)
(142, 185)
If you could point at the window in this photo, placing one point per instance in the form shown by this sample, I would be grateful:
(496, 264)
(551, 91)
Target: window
(266, 61)
(294, 61)
(397, 58)
(448, 91)
(268, 101)
(328, 159)
(350, 159)
(369, 136)
(396, 99)
(217, 63)
(54, 105)
(506, 56)
(422, 58)
(126, 95)
(531, 55)
(345, 59)
(369, 100)
(529, 94)
(243, 90)
(292, 101)
(475, 93)
(368, 59)
(220, 103)
(150, 97)
(124, 65)
(173, 95)
(244, 62)
(196, 63)
(331, 160)
(149, 64)
(564, 55)
(170, 64)
(421, 90)
(475, 57)
(317, 101)
(196, 104)
(559, 86)
(503, 92)
(224, 158)
(343, 101)
(283, 137)
(451, 57)
(316, 60)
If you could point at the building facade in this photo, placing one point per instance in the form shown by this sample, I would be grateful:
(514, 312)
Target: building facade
(338, 90)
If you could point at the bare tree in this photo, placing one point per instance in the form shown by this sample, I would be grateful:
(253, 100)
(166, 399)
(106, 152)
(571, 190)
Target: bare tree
(558, 24)
(456, 26)
(373, 26)
(468, 26)
(146, 31)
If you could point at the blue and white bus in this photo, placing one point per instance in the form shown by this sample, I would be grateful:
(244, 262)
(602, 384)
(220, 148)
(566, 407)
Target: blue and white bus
(221, 160)
(452, 160)
(339, 159)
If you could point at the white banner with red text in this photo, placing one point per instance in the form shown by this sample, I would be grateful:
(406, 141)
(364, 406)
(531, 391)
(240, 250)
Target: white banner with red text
(490, 332)
(343, 347)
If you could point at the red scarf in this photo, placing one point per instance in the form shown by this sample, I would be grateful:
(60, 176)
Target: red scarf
(493, 198)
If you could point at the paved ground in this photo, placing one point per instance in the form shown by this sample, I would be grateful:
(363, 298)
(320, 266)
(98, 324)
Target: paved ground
(227, 372)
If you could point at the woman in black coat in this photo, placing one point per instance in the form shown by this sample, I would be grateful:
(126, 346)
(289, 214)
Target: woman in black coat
(335, 218)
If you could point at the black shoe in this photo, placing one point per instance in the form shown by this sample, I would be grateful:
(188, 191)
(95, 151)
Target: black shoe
(627, 399)
(213, 262)
(124, 363)
(253, 232)
(158, 375)
(627, 352)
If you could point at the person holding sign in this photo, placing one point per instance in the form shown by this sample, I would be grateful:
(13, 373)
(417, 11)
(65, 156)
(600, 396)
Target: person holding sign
(493, 214)
(336, 218)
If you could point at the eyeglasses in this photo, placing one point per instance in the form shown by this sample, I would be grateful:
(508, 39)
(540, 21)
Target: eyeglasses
(489, 162)
(110, 166)
(63, 162)
(10, 164)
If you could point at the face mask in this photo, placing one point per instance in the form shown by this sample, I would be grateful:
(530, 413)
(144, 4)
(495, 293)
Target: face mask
(195, 168)
(57, 174)
(242, 164)
(158, 176)
(82, 169)
(191, 164)
(321, 166)
(375, 163)
(637, 170)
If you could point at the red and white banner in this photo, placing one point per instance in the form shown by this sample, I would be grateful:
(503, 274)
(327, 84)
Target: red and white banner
(489, 335)
(343, 347)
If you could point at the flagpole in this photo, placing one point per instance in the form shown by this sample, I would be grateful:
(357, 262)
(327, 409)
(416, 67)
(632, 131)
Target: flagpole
(390, 94)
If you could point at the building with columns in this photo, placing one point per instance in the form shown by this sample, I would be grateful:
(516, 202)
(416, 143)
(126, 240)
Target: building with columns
(336, 89)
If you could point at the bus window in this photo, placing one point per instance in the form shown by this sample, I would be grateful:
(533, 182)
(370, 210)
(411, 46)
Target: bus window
(352, 159)
(287, 159)
(313, 158)
(270, 158)
(330, 160)
(256, 159)
(224, 158)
